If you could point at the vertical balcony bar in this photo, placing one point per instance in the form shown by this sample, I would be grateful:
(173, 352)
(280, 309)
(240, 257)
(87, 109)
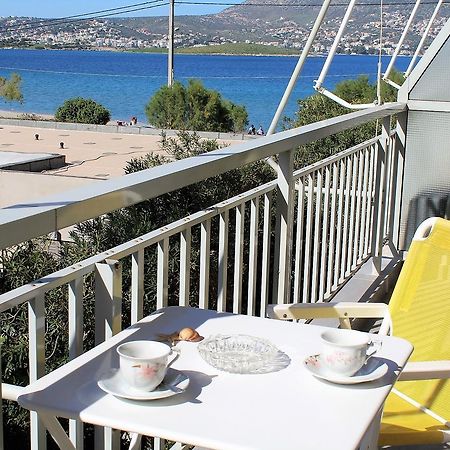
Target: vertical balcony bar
(308, 237)
(36, 329)
(284, 227)
(346, 214)
(238, 258)
(364, 202)
(162, 277)
(137, 286)
(355, 163)
(205, 245)
(223, 261)
(265, 263)
(385, 142)
(395, 156)
(299, 239)
(375, 250)
(387, 186)
(108, 299)
(325, 233)
(75, 318)
(108, 322)
(253, 256)
(76, 347)
(380, 194)
(316, 249)
(400, 143)
(185, 266)
(337, 267)
(358, 218)
(370, 200)
(2, 447)
(332, 231)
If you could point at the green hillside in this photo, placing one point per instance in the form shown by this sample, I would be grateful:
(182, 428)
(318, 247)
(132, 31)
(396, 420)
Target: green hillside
(238, 49)
(226, 49)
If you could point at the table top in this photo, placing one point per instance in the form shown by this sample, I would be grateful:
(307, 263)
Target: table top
(288, 408)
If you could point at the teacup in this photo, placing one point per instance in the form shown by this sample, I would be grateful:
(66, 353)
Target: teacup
(144, 364)
(344, 352)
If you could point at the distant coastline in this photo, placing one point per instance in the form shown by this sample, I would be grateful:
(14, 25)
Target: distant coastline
(238, 49)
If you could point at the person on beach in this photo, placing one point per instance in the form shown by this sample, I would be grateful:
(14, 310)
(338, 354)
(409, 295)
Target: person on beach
(260, 131)
(252, 129)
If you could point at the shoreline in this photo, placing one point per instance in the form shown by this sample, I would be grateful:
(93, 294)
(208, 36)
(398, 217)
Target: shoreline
(41, 117)
(116, 50)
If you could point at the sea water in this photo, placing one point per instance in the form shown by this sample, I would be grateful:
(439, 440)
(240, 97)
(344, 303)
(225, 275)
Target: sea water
(124, 82)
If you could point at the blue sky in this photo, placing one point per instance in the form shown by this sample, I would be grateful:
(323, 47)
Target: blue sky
(62, 8)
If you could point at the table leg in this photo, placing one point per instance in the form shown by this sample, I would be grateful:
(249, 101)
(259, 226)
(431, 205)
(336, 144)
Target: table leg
(56, 431)
(370, 439)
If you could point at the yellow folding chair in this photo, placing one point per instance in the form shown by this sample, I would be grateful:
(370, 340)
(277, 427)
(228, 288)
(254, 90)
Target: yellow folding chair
(418, 409)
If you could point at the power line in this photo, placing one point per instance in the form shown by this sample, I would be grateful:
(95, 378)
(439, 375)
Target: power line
(152, 4)
(298, 5)
(62, 21)
(101, 11)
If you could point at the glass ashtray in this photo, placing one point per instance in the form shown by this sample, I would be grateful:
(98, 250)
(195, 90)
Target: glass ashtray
(237, 353)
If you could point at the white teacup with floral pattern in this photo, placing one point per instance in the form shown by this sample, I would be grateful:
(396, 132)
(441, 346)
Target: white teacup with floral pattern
(344, 352)
(144, 364)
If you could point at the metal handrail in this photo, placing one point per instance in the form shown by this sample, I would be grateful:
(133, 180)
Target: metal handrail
(25, 221)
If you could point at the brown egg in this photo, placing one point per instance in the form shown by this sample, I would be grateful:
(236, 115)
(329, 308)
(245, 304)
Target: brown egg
(189, 334)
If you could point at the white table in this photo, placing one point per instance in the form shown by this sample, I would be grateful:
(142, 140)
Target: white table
(280, 410)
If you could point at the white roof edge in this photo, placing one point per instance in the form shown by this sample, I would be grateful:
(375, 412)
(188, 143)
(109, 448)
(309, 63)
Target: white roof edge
(425, 61)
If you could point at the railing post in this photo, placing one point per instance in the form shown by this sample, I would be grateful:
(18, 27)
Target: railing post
(137, 286)
(238, 258)
(162, 277)
(36, 327)
(397, 185)
(223, 262)
(205, 246)
(108, 321)
(185, 266)
(284, 226)
(380, 195)
(1, 400)
(108, 299)
(265, 261)
(76, 347)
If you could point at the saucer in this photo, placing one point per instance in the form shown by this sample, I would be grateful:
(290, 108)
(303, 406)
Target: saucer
(112, 382)
(372, 370)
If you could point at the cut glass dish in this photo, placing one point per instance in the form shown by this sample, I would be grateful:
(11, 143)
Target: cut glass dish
(238, 353)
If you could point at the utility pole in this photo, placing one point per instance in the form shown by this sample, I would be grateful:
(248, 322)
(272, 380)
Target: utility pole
(170, 43)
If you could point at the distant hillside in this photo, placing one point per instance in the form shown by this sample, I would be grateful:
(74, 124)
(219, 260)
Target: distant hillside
(282, 24)
(287, 23)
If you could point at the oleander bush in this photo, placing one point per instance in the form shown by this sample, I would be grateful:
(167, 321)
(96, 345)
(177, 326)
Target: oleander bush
(82, 110)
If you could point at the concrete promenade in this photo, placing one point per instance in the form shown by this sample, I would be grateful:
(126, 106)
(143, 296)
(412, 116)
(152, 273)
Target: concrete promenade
(91, 155)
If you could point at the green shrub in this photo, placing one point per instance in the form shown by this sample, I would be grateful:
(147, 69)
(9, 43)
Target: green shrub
(82, 110)
(11, 90)
(194, 108)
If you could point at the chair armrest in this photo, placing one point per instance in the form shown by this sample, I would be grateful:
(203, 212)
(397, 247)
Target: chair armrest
(332, 310)
(425, 370)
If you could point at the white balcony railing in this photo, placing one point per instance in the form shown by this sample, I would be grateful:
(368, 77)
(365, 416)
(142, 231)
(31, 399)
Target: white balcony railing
(330, 218)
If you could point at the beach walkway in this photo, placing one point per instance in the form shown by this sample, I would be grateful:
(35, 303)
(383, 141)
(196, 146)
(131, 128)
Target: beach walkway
(91, 157)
